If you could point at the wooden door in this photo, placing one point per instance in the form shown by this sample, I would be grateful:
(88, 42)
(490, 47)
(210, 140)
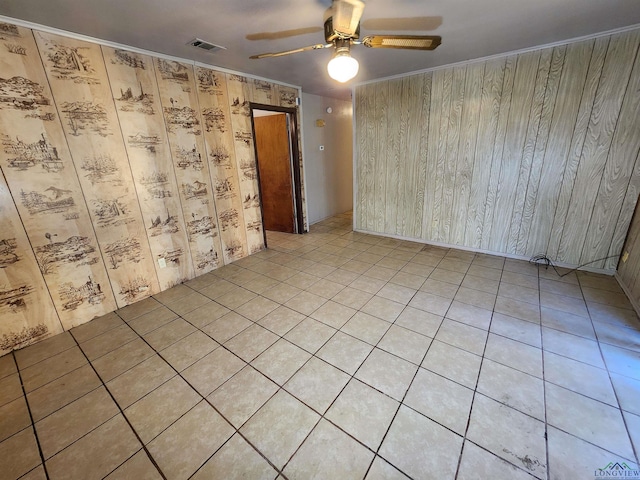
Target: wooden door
(274, 165)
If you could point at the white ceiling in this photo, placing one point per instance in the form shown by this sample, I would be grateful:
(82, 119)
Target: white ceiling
(469, 29)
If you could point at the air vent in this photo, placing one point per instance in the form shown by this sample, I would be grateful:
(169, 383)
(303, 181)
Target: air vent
(210, 47)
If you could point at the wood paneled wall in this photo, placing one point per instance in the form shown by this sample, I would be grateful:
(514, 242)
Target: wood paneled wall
(629, 268)
(122, 175)
(525, 154)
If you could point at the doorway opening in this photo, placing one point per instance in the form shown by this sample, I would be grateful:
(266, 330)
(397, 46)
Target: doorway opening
(277, 156)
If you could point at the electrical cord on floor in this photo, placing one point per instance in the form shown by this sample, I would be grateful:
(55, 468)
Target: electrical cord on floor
(542, 259)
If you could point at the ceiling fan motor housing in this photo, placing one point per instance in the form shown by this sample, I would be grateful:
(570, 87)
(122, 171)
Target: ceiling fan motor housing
(330, 33)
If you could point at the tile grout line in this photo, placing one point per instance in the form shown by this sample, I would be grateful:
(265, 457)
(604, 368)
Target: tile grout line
(475, 393)
(351, 377)
(544, 383)
(615, 391)
(282, 388)
(290, 252)
(475, 389)
(401, 403)
(606, 369)
(121, 412)
(205, 399)
(33, 425)
(578, 393)
(409, 387)
(384, 436)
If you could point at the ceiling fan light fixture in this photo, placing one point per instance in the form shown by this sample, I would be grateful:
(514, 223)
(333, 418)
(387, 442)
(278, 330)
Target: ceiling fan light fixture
(343, 67)
(342, 30)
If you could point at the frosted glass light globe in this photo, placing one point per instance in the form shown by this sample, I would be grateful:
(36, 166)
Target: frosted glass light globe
(343, 67)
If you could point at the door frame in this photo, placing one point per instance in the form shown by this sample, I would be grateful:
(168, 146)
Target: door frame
(294, 153)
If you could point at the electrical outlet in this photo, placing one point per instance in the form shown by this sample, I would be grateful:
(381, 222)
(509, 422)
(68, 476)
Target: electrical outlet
(162, 262)
(625, 257)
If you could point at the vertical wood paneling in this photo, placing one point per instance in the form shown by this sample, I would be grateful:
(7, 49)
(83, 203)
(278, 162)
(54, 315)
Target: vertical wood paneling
(574, 70)
(377, 208)
(424, 122)
(369, 164)
(602, 124)
(513, 153)
(79, 84)
(137, 99)
(394, 132)
(262, 92)
(578, 138)
(526, 165)
(26, 309)
(407, 96)
(498, 148)
(451, 156)
(411, 157)
(220, 153)
(239, 90)
(184, 129)
(617, 171)
(626, 213)
(530, 153)
(467, 149)
(487, 125)
(100, 193)
(442, 121)
(286, 95)
(39, 171)
(629, 271)
(542, 137)
(364, 173)
(360, 115)
(430, 153)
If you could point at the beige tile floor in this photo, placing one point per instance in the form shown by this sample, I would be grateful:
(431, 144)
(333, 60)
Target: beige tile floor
(337, 355)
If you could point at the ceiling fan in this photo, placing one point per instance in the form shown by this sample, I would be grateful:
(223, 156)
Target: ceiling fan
(342, 30)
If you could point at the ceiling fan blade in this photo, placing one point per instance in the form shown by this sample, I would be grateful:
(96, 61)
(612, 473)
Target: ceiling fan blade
(283, 33)
(346, 16)
(319, 46)
(404, 24)
(409, 42)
